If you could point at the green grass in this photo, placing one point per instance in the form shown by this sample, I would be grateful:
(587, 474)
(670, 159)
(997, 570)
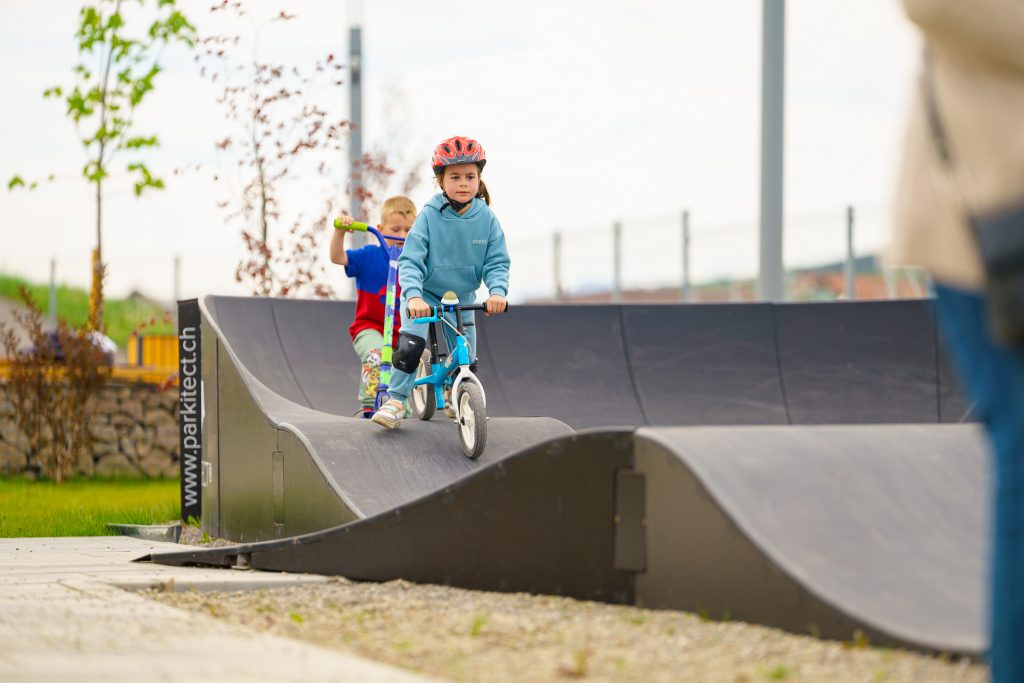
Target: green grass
(777, 673)
(478, 625)
(84, 507)
(120, 316)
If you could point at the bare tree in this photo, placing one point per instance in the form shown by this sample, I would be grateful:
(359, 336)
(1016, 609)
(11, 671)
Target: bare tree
(281, 138)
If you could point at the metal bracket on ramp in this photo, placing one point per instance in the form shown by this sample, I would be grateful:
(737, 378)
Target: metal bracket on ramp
(630, 521)
(277, 460)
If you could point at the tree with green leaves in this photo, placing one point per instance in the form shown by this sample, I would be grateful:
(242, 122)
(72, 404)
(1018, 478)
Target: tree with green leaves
(116, 71)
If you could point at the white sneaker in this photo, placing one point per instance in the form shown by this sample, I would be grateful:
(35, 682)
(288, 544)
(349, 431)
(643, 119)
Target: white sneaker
(390, 414)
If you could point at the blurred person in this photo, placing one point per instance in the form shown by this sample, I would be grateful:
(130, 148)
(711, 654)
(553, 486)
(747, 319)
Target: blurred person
(959, 213)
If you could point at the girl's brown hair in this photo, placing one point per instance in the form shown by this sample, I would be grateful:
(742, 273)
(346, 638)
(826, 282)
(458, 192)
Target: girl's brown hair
(482, 193)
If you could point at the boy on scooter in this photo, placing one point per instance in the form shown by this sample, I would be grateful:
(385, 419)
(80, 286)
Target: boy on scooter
(369, 266)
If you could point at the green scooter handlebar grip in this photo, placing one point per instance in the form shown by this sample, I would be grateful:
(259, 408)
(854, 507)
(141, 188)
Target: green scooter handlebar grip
(355, 225)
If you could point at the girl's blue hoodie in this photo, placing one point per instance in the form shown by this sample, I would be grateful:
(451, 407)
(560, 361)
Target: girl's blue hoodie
(445, 251)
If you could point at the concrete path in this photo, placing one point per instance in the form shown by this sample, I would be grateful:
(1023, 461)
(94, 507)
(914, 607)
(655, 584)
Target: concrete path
(65, 615)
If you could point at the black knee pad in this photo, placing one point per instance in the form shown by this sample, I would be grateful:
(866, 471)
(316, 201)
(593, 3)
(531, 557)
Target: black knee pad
(408, 352)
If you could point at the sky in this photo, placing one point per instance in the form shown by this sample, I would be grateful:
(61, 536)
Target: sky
(591, 112)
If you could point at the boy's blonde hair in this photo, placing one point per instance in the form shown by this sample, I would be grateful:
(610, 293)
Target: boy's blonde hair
(397, 204)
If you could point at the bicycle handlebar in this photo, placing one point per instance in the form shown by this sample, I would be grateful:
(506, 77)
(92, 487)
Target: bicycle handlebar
(454, 308)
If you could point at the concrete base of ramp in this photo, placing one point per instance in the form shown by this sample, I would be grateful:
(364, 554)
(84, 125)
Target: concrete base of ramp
(541, 521)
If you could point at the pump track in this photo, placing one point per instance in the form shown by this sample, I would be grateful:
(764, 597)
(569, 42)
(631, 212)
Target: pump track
(805, 466)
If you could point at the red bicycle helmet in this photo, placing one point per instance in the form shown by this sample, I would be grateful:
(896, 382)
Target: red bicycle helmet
(458, 150)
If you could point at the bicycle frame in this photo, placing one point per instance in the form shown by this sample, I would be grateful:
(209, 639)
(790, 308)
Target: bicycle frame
(458, 361)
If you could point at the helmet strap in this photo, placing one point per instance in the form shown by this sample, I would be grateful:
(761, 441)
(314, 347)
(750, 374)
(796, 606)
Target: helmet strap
(456, 205)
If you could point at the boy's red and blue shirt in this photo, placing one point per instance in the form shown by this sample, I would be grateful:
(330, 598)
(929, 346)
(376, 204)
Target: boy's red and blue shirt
(369, 266)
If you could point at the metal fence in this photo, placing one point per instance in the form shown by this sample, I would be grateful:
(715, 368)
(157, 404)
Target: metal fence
(829, 254)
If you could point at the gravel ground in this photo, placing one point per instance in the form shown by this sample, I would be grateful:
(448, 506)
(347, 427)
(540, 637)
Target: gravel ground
(191, 535)
(468, 635)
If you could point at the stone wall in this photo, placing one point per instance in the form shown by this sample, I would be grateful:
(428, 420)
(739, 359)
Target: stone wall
(135, 429)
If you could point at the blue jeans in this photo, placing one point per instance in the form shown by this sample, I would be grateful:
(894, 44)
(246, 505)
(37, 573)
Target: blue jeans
(401, 382)
(993, 377)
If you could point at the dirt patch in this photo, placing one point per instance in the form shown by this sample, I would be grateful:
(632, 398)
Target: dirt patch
(193, 535)
(468, 635)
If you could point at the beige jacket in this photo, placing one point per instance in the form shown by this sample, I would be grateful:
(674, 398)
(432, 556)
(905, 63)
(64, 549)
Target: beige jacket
(977, 68)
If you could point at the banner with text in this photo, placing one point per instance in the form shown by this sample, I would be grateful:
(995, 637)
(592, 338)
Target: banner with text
(190, 407)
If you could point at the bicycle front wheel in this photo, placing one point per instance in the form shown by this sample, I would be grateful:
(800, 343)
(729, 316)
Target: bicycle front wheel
(472, 419)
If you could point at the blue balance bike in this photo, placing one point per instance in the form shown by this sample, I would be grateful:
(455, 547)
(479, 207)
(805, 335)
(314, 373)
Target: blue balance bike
(452, 376)
(389, 305)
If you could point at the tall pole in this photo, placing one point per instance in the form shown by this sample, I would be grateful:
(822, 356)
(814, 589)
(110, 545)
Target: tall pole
(355, 139)
(770, 279)
(851, 263)
(557, 263)
(617, 262)
(686, 256)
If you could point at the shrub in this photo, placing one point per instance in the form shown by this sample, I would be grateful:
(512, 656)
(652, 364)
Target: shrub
(54, 385)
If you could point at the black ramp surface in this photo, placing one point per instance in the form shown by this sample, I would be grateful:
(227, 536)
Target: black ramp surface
(246, 326)
(705, 364)
(858, 362)
(497, 404)
(378, 470)
(821, 529)
(566, 362)
(318, 351)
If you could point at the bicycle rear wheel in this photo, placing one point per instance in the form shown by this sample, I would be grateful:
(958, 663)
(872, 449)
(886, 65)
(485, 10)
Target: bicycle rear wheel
(422, 397)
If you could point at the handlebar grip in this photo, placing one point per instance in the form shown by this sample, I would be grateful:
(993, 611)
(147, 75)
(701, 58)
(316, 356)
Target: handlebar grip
(483, 307)
(355, 225)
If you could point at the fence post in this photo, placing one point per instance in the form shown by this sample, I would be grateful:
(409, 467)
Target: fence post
(890, 282)
(686, 255)
(851, 262)
(617, 262)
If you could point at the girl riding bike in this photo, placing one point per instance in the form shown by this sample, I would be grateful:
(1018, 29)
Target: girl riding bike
(455, 244)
